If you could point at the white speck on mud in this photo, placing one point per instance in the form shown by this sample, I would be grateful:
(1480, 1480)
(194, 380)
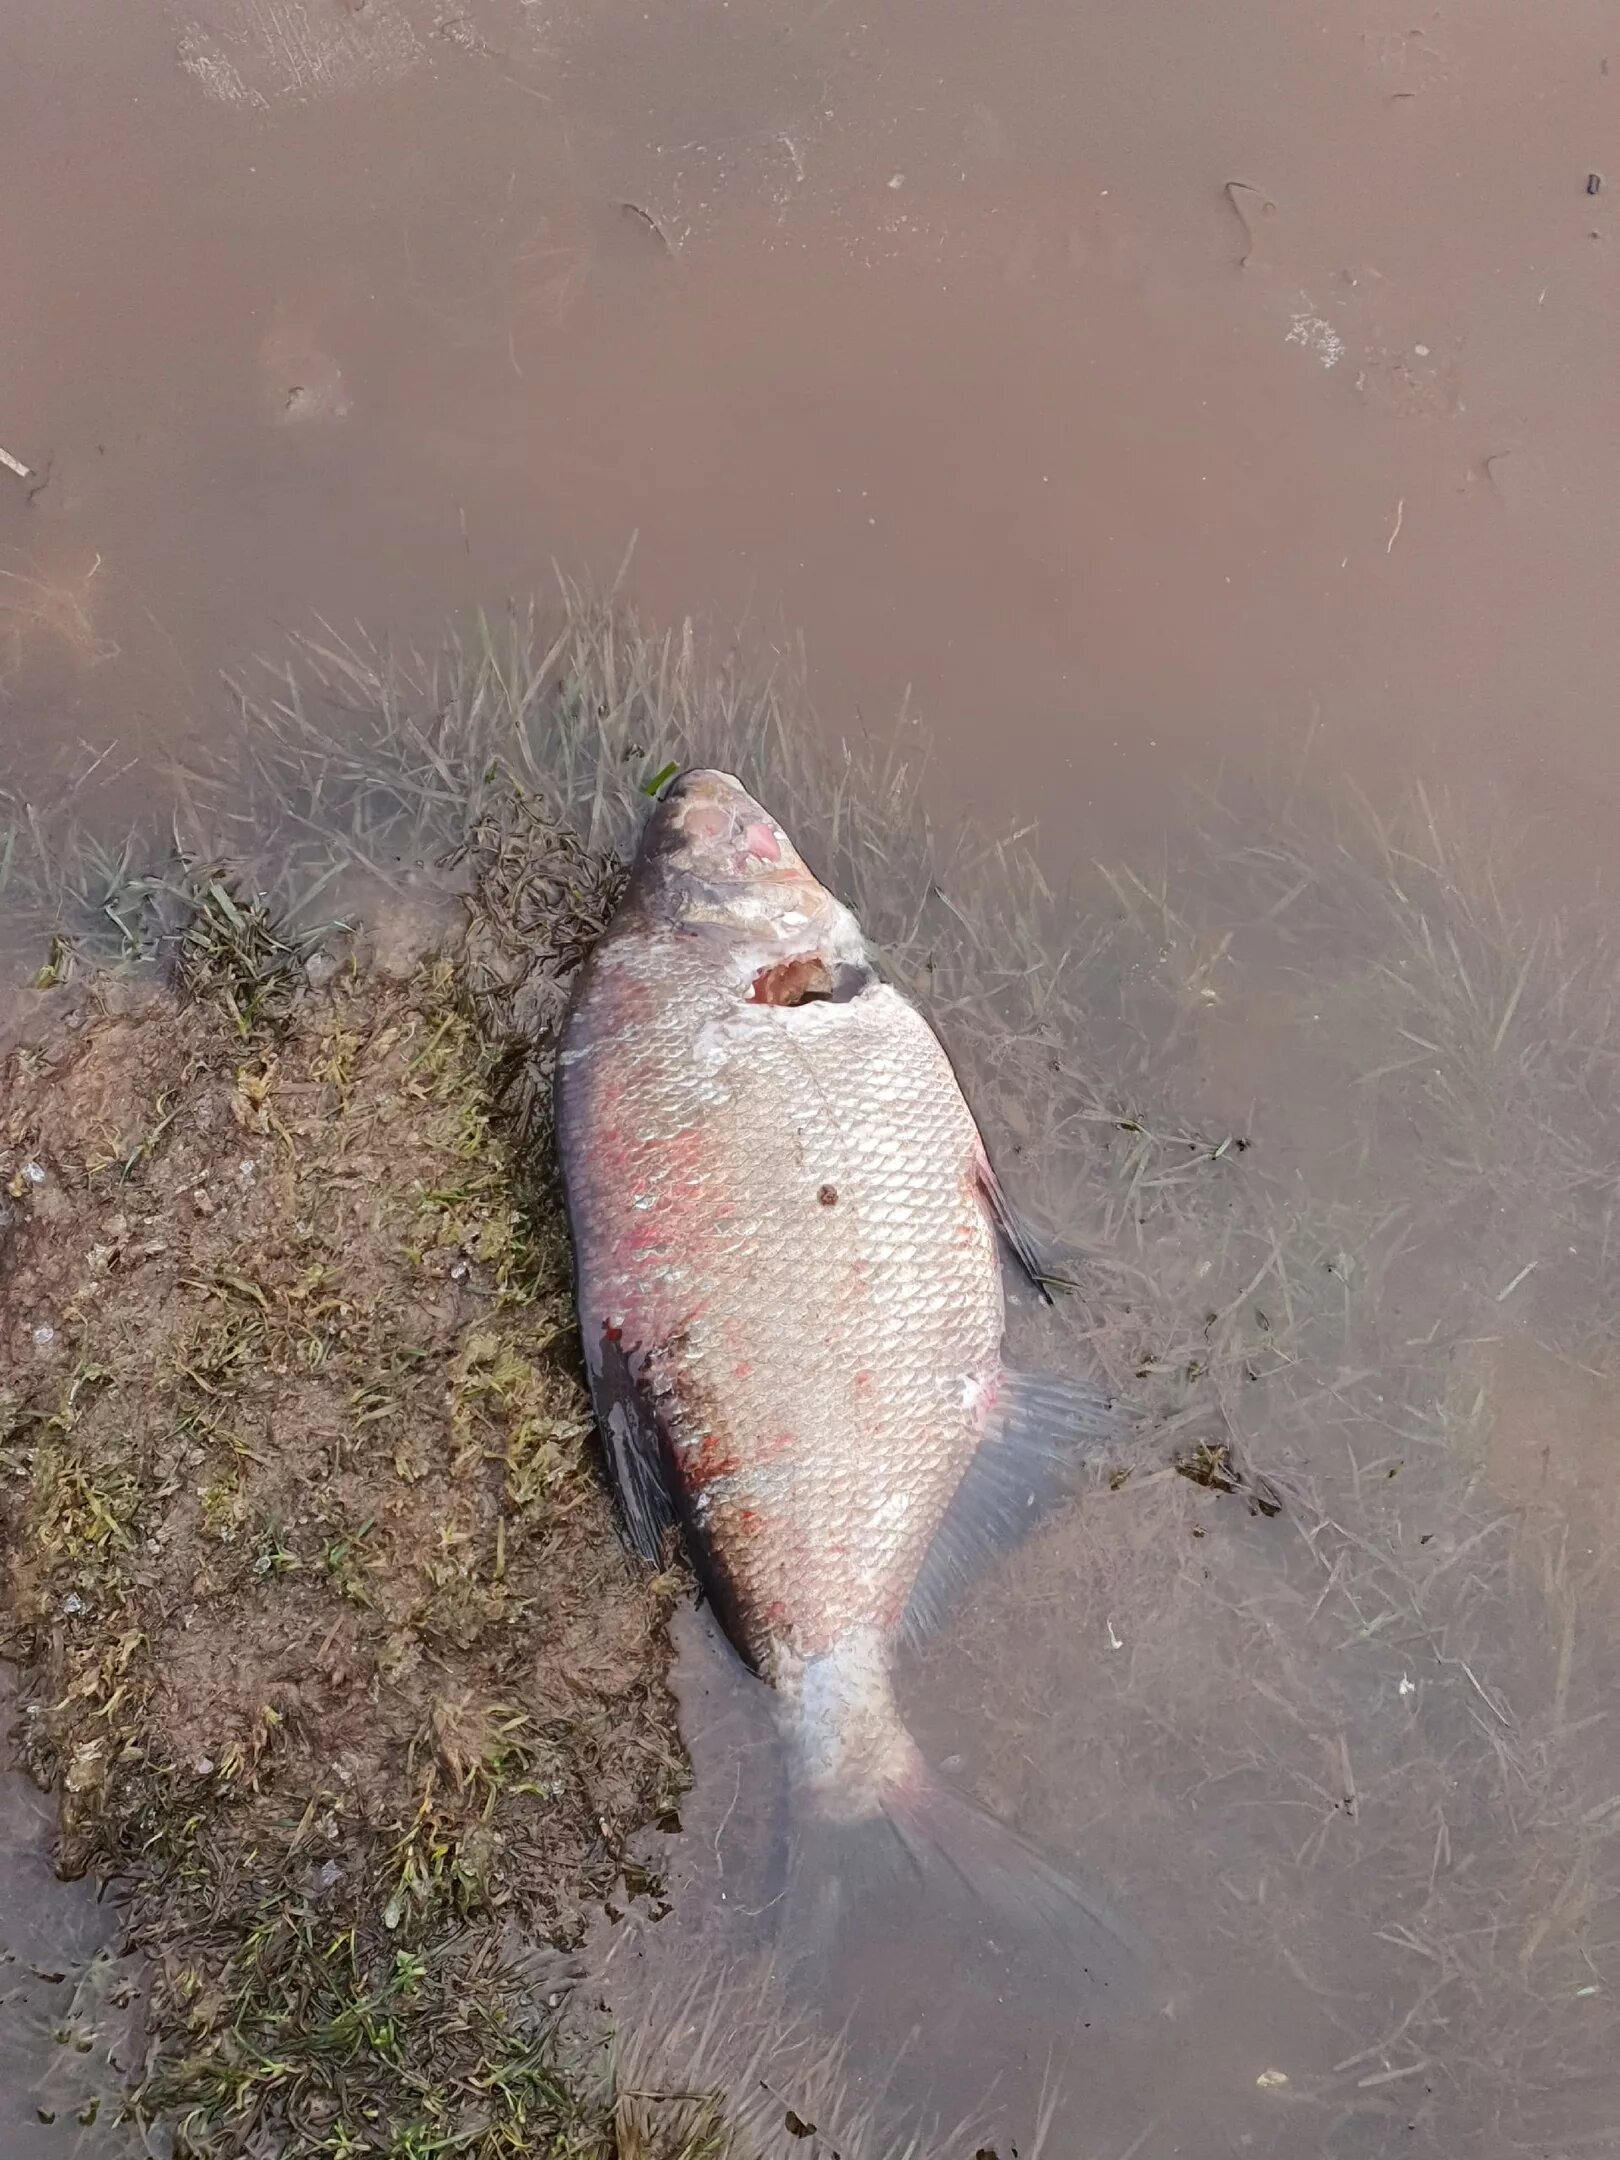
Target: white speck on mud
(1317, 336)
(251, 52)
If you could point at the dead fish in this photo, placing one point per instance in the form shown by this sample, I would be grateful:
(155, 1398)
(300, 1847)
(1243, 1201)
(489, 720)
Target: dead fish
(786, 1235)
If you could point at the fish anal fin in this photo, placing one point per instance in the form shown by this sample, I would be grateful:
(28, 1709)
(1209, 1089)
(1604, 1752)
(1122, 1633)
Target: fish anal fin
(1041, 1437)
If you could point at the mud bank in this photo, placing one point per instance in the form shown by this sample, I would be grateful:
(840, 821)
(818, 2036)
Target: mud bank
(334, 1662)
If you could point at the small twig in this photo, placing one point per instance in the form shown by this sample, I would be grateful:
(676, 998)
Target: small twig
(1234, 189)
(1507, 1291)
(634, 209)
(1388, 2077)
(725, 1822)
(16, 465)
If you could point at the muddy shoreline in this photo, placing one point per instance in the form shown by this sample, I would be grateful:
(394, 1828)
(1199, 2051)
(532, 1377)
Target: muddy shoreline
(334, 1661)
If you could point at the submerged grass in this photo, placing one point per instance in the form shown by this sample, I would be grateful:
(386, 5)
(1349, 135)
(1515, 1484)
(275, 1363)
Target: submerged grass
(1330, 1132)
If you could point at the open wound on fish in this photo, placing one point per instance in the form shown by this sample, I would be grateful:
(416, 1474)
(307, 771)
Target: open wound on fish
(1042, 1434)
(807, 979)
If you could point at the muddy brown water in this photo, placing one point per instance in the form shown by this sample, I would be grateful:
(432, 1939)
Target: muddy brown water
(1149, 395)
(1143, 388)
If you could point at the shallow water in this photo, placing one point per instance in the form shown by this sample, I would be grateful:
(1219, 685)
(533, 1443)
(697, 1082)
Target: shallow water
(1154, 397)
(1145, 391)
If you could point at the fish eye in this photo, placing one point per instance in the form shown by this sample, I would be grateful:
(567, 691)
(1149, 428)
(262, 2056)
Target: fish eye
(760, 842)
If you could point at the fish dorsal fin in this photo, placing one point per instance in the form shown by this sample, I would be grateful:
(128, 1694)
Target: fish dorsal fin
(1043, 1435)
(1047, 1266)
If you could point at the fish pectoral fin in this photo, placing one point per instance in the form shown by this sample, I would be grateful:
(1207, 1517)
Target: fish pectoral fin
(638, 1480)
(1043, 1435)
(1047, 1265)
(633, 1443)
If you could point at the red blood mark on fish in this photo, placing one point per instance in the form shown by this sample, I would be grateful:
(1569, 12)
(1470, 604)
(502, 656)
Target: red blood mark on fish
(759, 839)
(705, 1461)
(646, 1236)
(709, 1461)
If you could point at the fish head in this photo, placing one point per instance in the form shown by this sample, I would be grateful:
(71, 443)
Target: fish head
(711, 855)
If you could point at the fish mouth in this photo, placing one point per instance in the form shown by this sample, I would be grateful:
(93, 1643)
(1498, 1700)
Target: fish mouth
(709, 828)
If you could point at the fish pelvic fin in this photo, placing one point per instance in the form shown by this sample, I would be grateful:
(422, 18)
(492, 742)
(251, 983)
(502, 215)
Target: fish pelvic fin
(632, 1444)
(1045, 1264)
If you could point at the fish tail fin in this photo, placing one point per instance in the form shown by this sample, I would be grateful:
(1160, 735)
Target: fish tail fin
(924, 1855)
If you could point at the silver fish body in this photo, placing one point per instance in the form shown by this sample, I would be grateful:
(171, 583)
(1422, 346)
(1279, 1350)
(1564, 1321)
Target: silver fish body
(790, 1296)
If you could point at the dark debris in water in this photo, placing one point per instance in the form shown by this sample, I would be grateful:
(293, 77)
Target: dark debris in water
(1214, 1465)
